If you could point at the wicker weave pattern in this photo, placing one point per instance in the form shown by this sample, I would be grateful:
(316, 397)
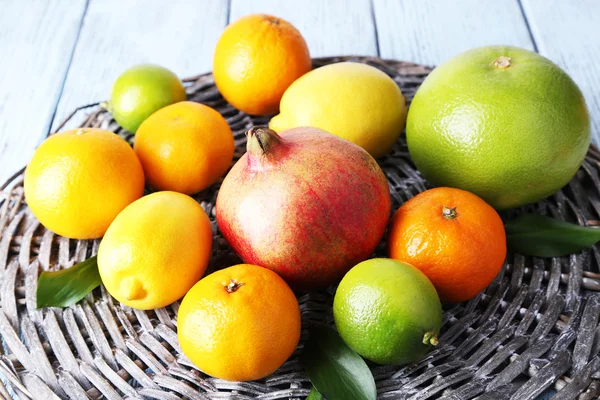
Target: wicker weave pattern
(535, 327)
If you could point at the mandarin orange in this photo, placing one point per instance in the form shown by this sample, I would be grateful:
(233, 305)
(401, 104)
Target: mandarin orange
(184, 147)
(454, 237)
(240, 323)
(256, 59)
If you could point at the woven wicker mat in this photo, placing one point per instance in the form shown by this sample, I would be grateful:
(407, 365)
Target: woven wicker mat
(535, 327)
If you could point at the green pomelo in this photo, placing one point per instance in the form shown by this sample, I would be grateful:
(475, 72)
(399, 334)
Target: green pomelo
(140, 91)
(387, 311)
(502, 122)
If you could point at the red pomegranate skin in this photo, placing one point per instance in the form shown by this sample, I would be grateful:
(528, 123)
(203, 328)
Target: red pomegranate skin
(305, 204)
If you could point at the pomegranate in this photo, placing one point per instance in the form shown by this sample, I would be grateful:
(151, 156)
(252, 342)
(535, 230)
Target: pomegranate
(307, 205)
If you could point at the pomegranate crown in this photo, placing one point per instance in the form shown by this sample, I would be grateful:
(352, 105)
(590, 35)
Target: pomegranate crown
(261, 140)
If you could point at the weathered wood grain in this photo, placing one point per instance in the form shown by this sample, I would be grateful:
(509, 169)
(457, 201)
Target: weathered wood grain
(333, 27)
(36, 43)
(37, 39)
(568, 33)
(430, 31)
(117, 34)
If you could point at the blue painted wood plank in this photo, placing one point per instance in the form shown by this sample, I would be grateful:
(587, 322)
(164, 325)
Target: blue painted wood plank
(431, 31)
(568, 33)
(36, 44)
(333, 27)
(117, 34)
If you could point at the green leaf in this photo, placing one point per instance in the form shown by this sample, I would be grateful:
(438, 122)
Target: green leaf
(314, 395)
(66, 287)
(537, 235)
(335, 370)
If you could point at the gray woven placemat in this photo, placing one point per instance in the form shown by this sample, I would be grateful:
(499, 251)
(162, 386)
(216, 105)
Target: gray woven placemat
(534, 328)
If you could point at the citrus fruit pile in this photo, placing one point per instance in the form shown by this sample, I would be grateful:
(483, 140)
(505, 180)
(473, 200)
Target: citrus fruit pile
(307, 205)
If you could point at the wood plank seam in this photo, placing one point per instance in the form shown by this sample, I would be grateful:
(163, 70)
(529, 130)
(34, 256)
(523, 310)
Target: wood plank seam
(228, 13)
(64, 77)
(568, 37)
(423, 31)
(331, 28)
(40, 37)
(531, 36)
(372, 10)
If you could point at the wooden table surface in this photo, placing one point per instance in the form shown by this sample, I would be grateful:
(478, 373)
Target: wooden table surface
(56, 55)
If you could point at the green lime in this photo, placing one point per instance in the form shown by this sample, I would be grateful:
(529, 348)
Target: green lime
(387, 311)
(502, 122)
(140, 91)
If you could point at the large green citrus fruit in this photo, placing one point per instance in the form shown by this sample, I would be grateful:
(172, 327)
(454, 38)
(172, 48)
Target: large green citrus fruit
(502, 122)
(140, 91)
(387, 311)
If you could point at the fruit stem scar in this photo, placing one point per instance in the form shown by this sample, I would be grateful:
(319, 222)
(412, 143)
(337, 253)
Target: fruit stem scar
(273, 20)
(449, 212)
(107, 105)
(80, 131)
(430, 338)
(502, 62)
(233, 285)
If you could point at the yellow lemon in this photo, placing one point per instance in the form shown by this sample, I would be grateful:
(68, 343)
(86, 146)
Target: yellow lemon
(155, 250)
(354, 101)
